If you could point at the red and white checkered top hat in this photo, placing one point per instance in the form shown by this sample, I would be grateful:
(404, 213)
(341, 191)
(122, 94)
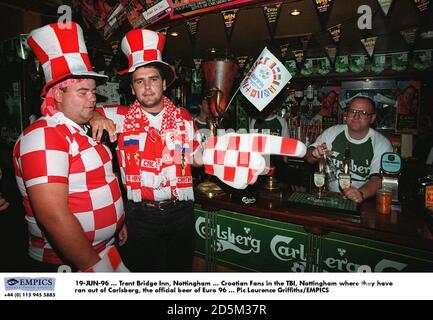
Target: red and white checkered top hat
(62, 53)
(144, 47)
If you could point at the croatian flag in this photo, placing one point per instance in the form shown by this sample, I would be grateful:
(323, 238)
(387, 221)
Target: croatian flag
(265, 80)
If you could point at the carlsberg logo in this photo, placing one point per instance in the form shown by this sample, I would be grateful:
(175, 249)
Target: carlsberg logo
(281, 249)
(228, 240)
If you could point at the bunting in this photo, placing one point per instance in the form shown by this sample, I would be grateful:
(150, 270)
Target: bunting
(299, 56)
(305, 40)
(108, 59)
(399, 61)
(229, 17)
(331, 51)
(335, 33)
(114, 46)
(369, 45)
(422, 5)
(197, 63)
(242, 60)
(323, 9)
(385, 5)
(409, 36)
(283, 50)
(422, 59)
(379, 63)
(192, 26)
(272, 13)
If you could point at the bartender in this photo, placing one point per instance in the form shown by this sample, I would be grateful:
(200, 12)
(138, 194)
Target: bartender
(366, 148)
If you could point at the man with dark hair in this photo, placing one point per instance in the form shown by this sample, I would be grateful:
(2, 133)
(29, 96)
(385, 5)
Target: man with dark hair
(366, 149)
(155, 145)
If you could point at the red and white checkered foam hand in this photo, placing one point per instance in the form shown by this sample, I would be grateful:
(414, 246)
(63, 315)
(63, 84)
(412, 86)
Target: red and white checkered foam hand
(110, 262)
(237, 159)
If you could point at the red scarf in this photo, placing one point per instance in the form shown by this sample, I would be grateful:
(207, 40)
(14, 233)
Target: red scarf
(149, 159)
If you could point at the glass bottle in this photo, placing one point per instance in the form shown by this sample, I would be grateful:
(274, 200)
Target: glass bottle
(344, 179)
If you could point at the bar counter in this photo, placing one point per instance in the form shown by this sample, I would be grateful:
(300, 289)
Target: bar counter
(293, 239)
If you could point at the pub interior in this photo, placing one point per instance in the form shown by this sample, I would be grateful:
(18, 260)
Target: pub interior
(288, 220)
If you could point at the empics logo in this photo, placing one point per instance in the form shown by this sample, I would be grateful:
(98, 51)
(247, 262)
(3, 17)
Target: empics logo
(30, 284)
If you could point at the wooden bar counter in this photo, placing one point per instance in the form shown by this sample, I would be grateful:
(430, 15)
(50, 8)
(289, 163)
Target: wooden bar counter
(268, 235)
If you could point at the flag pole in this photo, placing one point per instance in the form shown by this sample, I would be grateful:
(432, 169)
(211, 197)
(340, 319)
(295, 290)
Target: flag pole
(234, 95)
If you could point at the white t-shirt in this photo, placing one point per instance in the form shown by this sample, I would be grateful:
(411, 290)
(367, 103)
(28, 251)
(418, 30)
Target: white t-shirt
(365, 154)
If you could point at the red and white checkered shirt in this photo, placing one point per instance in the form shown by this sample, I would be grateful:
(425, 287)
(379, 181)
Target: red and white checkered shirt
(54, 149)
(151, 170)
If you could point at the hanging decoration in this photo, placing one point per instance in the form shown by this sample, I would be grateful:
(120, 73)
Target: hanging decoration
(283, 50)
(409, 36)
(342, 64)
(323, 9)
(399, 61)
(357, 63)
(335, 33)
(242, 61)
(379, 63)
(369, 45)
(385, 5)
(299, 56)
(307, 68)
(272, 13)
(108, 58)
(422, 5)
(331, 51)
(323, 66)
(422, 59)
(305, 40)
(291, 66)
(192, 26)
(196, 81)
(229, 17)
(114, 46)
(197, 62)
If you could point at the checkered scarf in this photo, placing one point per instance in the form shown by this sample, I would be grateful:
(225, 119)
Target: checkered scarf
(136, 123)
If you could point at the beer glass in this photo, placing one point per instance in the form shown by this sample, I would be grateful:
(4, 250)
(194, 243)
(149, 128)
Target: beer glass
(319, 182)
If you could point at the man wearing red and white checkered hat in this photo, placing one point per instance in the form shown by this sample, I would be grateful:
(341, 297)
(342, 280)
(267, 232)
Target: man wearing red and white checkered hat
(72, 198)
(155, 144)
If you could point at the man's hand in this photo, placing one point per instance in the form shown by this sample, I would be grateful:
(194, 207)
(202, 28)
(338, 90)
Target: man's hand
(123, 235)
(237, 159)
(100, 123)
(353, 194)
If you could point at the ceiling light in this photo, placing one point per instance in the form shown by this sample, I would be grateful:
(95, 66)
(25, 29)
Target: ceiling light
(212, 50)
(295, 12)
(174, 34)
